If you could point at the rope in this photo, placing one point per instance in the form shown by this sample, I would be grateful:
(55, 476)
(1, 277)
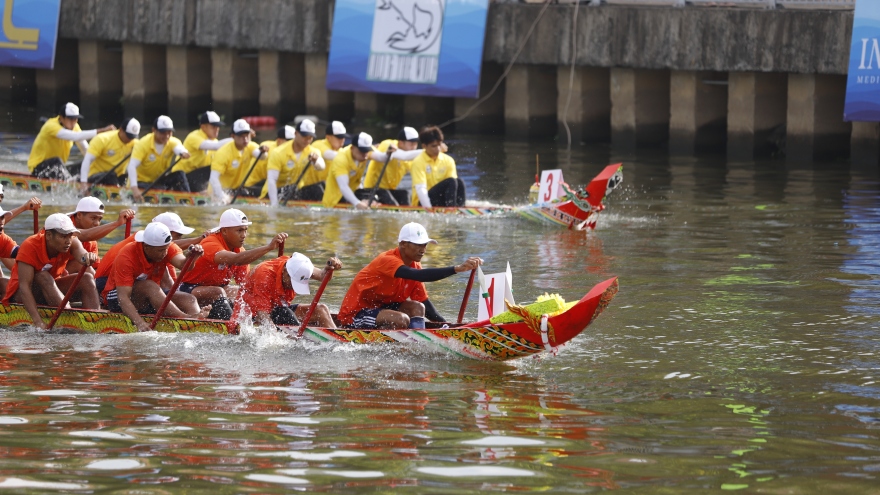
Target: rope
(571, 74)
(504, 75)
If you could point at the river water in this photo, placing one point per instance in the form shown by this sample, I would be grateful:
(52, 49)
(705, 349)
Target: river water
(740, 354)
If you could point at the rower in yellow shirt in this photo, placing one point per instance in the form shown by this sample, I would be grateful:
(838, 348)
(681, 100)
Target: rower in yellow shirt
(311, 188)
(347, 172)
(290, 163)
(283, 135)
(52, 146)
(108, 151)
(407, 143)
(232, 162)
(434, 177)
(201, 145)
(152, 156)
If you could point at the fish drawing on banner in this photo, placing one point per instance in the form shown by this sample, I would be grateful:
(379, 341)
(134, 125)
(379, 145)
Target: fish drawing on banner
(405, 44)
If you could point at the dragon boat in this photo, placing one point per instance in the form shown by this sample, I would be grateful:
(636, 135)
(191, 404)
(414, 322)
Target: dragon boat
(25, 182)
(483, 340)
(578, 208)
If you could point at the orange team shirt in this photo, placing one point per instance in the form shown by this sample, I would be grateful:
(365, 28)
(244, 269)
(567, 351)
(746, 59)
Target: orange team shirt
(207, 272)
(131, 265)
(33, 252)
(263, 290)
(90, 246)
(376, 286)
(110, 257)
(7, 245)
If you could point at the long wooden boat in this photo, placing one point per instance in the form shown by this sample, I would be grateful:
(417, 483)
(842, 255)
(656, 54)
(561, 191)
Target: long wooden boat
(481, 340)
(15, 180)
(577, 209)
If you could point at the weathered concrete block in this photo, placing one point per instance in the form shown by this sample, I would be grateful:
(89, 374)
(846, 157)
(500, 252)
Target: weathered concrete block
(144, 80)
(756, 111)
(639, 108)
(698, 111)
(814, 122)
(100, 82)
(188, 74)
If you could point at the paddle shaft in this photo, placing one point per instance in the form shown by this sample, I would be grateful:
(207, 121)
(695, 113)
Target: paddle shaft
(106, 174)
(290, 193)
(328, 274)
(467, 295)
(281, 249)
(36, 221)
(246, 177)
(70, 291)
(173, 163)
(379, 180)
(127, 228)
(186, 266)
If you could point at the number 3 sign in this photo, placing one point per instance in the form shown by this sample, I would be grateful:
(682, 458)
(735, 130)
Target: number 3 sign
(551, 185)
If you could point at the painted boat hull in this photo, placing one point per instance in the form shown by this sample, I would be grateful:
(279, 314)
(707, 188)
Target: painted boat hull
(481, 340)
(569, 213)
(14, 180)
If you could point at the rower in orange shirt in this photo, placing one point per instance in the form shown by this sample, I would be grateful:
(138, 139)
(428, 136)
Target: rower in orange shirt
(87, 218)
(8, 247)
(390, 291)
(133, 285)
(38, 275)
(269, 290)
(225, 258)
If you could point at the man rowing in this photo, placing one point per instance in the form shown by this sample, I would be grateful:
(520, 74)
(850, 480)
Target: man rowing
(290, 163)
(151, 158)
(87, 219)
(346, 172)
(52, 146)
(32, 204)
(225, 258)
(390, 291)
(8, 246)
(407, 143)
(434, 177)
(201, 145)
(38, 276)
(108, 151)
(231, 163)
(269, 291)
(314, 182)
(175, 226)
(283, 135)
(133, 286)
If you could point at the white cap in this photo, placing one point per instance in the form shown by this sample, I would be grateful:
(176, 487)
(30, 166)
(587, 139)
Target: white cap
(289, 132)
(306, 128)
(164, 123)
(300, 268)
(60, 222)
(71, 110)
(212, 118)
(232, 218)
(337, 129)
(240, 126)
(156, 234)
(414, 233)
(173, 222)
(365, 142)
(408, 134)
(89, 204)
(133, 128)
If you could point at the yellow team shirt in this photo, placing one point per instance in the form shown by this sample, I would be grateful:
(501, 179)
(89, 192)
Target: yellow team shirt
(427, 171)
(284, 160)
(314, 176)
(233, 164)
(47, 145)
(109, 151)
(198, 158)
(343, 164)
(271, 144)
(394, 173)
(152, 162)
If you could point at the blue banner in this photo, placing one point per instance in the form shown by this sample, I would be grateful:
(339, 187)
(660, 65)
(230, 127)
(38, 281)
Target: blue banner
(415, 47)
(863, 82)
(30, 32)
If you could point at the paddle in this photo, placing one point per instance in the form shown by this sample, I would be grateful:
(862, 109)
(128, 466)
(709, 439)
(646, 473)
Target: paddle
(127, 228)
(379, 180)
(106, 174)
(70, 291)
(292, 192)
(327, 276)
(253, 166)
(173, 163)
(467, 295)
(186, 266)
(281, 249)
(36, 221)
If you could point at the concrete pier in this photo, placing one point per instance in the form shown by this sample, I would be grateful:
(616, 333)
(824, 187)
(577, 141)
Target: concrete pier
(235, 86)
(530, 101)
(814, 122)
(188, 74)
(100, 82)
(144, 81)
(589, 106)
(639, 107)
(488, 117)
(756, 113)
(419, 111)
(698, 112)
(58, 86)
(282, 85)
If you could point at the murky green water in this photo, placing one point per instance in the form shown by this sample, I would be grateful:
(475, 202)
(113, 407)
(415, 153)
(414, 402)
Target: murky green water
(740, 354)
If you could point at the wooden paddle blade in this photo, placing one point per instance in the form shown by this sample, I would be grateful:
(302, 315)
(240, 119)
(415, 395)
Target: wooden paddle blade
(186, 266)
(70, 291)
(327, 276)
(467, 295)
